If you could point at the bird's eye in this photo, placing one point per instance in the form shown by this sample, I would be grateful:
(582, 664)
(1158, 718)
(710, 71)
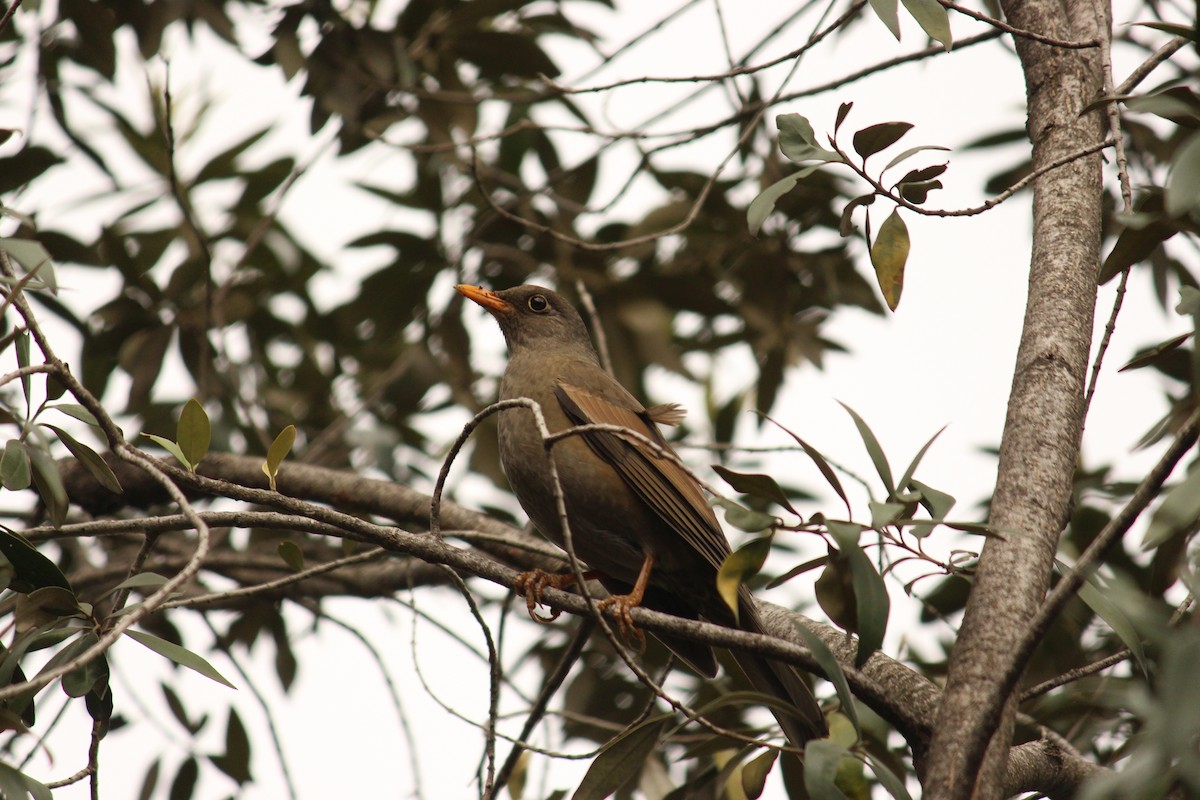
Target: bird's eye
(538, 303)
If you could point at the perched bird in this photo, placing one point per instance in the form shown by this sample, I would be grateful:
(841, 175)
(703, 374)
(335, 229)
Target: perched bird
(637, 519)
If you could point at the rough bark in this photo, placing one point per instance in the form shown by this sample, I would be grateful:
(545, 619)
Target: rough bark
(1042, 430)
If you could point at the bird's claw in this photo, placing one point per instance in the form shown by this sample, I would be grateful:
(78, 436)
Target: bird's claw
(532, 584)
(622, 605)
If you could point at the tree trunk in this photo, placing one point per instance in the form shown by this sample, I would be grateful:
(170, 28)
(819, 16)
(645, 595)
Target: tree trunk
(1040, 446)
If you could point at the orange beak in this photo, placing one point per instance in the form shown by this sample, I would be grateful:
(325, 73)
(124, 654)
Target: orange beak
(489, 300)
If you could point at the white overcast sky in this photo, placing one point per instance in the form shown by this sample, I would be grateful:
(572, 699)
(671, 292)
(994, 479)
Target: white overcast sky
(943, 359)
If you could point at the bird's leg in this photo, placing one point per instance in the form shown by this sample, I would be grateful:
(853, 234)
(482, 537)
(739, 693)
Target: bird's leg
(533, 583)
(622, 604)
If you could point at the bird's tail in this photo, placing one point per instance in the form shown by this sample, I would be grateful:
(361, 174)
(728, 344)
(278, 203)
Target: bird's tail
(803, 720)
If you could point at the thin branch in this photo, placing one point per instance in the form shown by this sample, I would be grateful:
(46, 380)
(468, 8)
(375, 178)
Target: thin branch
(410, 736)
(589, 305)
(1065, 589)
(705, 190)
(1070, 676)
(1057, 163)
(129, 453)
(8, 14)
(1144, 69)
(265, 707)
(550, 687)
(269, 586)
(999, 24)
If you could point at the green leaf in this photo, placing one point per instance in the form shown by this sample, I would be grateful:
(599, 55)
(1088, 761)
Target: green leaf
(761, 207)
(171, 448)
(906, 479)
(291, 554)
(180, 655)
(142, 580)
(888, 12)
(500, 53)
(834, 589)
(1178, 104)
(49, 485)
(1176, 515)
(873, 138)
(90, 459)
(933, 19)
(798, 141)
(833, 673)
(277, 452)
(892, 784)
(1186, 31)
(34, 259)
(822, 464)
(807, 566)
(883, 514)
(1094, 593)
(873, 450)
(912, 151)
(32, 569)
(193, 433)
(1183, 184)
(756, 485)
(871, 602)
(55, 600)
(889, 254)
(77, 411)
(936, 502)
(821, 760)
(14, 466)
(621, 760)
(743, 518)
(235, 761)
(1148, 356)
(92, 675)
(184, 785)
(739, 566)
(16, 785)
(846, 224)
(22, 343)
(754, 774)
(842, 112)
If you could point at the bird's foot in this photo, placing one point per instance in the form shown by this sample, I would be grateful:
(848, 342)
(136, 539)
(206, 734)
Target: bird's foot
(622, 605)
(533, 583)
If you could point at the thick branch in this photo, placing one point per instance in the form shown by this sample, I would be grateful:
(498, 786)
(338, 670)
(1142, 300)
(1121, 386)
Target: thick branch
(1040, 445)
(896, 692)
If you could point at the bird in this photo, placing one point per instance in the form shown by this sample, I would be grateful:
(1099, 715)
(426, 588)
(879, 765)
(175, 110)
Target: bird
(638, 520)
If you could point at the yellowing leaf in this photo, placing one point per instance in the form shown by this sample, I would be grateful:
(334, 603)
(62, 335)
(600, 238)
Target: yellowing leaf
(278, 452)
(889, 254)
(743, 563)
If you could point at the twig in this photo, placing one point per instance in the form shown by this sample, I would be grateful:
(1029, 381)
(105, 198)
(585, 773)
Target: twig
(8, 14)
(1066, 44)
(249, 591)
(272, 729)
(1144, 69)
(550, 687)
(598, 334)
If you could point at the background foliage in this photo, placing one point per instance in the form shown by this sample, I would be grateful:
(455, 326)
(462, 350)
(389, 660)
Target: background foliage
(185, 276)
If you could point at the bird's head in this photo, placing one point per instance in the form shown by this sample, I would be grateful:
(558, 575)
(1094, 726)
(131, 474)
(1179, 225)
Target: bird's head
(531, 316)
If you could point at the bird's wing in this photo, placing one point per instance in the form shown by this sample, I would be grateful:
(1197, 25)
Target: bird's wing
(662, 484)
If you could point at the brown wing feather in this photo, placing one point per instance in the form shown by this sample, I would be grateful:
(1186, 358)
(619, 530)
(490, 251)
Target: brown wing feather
(661, 483)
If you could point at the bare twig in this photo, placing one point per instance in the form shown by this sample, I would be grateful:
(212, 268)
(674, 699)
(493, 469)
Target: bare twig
(1000, 24)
